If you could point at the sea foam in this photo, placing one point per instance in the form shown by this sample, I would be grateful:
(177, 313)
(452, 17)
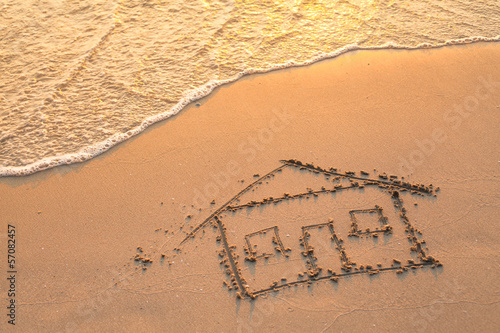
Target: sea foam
(126, 81)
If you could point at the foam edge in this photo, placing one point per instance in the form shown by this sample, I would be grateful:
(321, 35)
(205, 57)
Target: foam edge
(90, 152)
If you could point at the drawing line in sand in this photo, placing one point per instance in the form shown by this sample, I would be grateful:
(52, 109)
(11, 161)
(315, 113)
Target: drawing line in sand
(389, 184)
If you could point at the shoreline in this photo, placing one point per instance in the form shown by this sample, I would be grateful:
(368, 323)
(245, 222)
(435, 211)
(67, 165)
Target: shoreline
(91, 152)
(98, 242)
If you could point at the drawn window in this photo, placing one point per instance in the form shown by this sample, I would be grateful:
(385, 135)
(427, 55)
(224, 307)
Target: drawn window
(369, 222)
(264, 243)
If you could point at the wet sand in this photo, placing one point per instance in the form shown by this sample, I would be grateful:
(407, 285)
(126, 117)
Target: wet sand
(430, 116)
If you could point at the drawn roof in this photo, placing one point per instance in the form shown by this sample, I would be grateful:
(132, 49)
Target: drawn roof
(390, 184)
(361, 180)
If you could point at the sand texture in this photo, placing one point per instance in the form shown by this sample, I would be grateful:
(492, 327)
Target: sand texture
(356, 194)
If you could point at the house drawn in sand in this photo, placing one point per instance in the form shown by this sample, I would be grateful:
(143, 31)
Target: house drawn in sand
(363, 227)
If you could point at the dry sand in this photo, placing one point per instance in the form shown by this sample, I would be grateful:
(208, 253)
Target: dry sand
(430, 116)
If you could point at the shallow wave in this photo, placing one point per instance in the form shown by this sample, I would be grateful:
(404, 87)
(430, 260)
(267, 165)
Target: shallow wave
(112, 81)
(92, 151)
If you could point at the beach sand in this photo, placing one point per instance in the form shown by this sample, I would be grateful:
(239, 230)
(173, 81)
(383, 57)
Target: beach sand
(430, 116)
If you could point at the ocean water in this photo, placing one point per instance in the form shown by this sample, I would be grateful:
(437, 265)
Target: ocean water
(78, 77)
